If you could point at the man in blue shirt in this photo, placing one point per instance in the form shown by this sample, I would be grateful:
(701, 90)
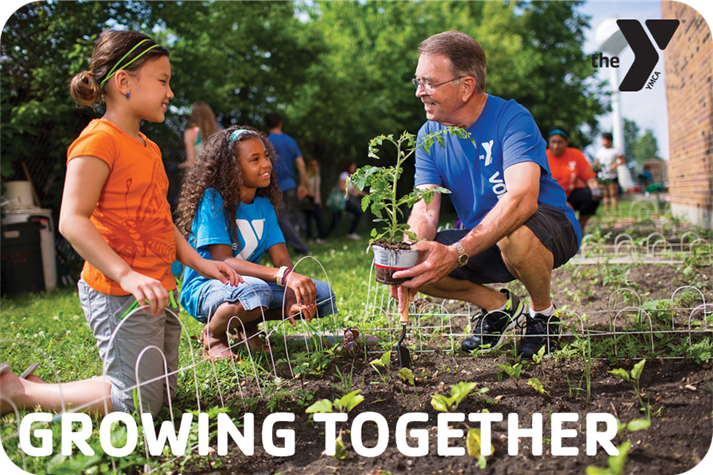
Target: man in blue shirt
(288, 155)
(517, 222)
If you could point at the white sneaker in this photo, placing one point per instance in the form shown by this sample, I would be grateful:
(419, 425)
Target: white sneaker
(354, 237)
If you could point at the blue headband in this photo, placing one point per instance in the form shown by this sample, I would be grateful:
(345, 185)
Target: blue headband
(558, 132)
(237, 133)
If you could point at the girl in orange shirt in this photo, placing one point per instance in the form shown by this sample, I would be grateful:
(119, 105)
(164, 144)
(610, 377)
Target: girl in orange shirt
(115, 214)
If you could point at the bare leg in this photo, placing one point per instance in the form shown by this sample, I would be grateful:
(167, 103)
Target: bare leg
(531, 263)
(613, 191)
(26, 394)
(527, 259)
(218, 325)
(466, 291)
(583, 221)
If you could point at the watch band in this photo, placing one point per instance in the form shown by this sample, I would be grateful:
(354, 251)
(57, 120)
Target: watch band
(462, 254)
(279, 277)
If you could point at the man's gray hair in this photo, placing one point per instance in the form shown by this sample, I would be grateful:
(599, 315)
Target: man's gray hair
(466, 55)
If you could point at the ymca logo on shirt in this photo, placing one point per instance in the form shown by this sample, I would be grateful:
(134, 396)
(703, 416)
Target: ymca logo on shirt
(252, 234)
(488, 157)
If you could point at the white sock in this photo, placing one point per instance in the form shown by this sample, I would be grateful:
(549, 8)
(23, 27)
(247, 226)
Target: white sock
(548, 312)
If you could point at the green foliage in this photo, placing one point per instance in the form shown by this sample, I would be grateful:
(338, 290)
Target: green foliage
(633, 379)
(473, 444)
(383, 182)
(537, 386)
(459, 392)
(616, 462)
(512, 371)
(344, 404)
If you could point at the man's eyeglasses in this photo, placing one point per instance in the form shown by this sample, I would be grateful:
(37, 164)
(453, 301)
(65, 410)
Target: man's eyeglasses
(430, 87)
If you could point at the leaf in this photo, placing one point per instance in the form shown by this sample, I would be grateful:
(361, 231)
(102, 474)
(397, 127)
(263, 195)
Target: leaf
(621, 373)
(441, 403)
(616, 462)
(594, 470)
(340, 452)
(407, 375)
(638, 369)
(638, 424)
(461, 390)
(473, 444)
(349, 401)
(537, 385)
(386, 359)
(323, 405)
(512, 371)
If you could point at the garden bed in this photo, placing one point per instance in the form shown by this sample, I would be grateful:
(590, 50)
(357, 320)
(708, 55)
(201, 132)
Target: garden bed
(677, 389)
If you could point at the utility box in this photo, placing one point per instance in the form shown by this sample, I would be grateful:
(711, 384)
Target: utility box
(22, 269)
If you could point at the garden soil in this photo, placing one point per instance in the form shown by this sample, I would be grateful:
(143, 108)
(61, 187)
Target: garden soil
(678, 391)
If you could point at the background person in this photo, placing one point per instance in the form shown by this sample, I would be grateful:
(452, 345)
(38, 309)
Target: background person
(201, 125)
(288, 157)
(312, 202)
(574, 173)
(608, 159)
(352, 204)
(518, 224)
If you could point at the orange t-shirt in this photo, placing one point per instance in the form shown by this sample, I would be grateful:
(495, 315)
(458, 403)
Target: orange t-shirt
(571, 170)
(132, 214)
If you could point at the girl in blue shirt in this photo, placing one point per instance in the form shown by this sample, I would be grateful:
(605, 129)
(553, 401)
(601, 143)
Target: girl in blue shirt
(227, 210)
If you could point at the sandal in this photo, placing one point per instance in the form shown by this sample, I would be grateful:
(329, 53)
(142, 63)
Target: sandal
(215, 348)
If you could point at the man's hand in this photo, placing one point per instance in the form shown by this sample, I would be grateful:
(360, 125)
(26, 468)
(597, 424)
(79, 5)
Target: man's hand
(403, 295)
(435, 262)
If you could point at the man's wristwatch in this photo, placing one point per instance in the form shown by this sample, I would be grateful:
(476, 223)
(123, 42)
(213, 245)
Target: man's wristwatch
(462, 255)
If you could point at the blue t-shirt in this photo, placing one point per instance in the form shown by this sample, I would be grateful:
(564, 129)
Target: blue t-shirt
(258, 231)
(505, 134)
(287, 151)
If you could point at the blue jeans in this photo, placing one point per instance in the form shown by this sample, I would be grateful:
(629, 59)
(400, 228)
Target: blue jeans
(255, 293)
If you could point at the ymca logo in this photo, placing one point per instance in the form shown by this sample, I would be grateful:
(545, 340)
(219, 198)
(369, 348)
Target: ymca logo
(251, 235)
(645, 54)
(488, 157)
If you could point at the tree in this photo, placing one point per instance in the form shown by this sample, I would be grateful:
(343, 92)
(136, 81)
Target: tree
(637, 148)
(243, 58)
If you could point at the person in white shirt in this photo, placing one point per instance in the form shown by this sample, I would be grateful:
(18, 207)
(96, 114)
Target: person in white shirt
(608, 159)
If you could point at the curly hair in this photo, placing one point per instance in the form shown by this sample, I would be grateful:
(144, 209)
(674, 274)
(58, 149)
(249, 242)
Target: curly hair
(216, 168)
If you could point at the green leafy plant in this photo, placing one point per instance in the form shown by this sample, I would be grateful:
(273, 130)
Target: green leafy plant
(616, 462)
(344, 404)
(511, 370)
(537, 386)
(444, 403)
(382, 182)
(634, 380)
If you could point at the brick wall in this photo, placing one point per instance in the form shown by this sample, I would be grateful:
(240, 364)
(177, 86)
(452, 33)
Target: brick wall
(689, 97)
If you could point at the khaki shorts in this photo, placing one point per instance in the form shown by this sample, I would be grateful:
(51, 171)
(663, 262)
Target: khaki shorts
(134, 333)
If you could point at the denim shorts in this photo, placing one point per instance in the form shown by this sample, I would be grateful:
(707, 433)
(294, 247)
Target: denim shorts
(255, 293)
(135, 332)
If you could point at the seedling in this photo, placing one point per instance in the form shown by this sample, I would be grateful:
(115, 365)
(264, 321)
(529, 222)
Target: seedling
(344, 405)
(537, 386)
(383, 181)
(634, 380)
(449, 404)
(443, 403)
(512, 371)
(616, 462)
